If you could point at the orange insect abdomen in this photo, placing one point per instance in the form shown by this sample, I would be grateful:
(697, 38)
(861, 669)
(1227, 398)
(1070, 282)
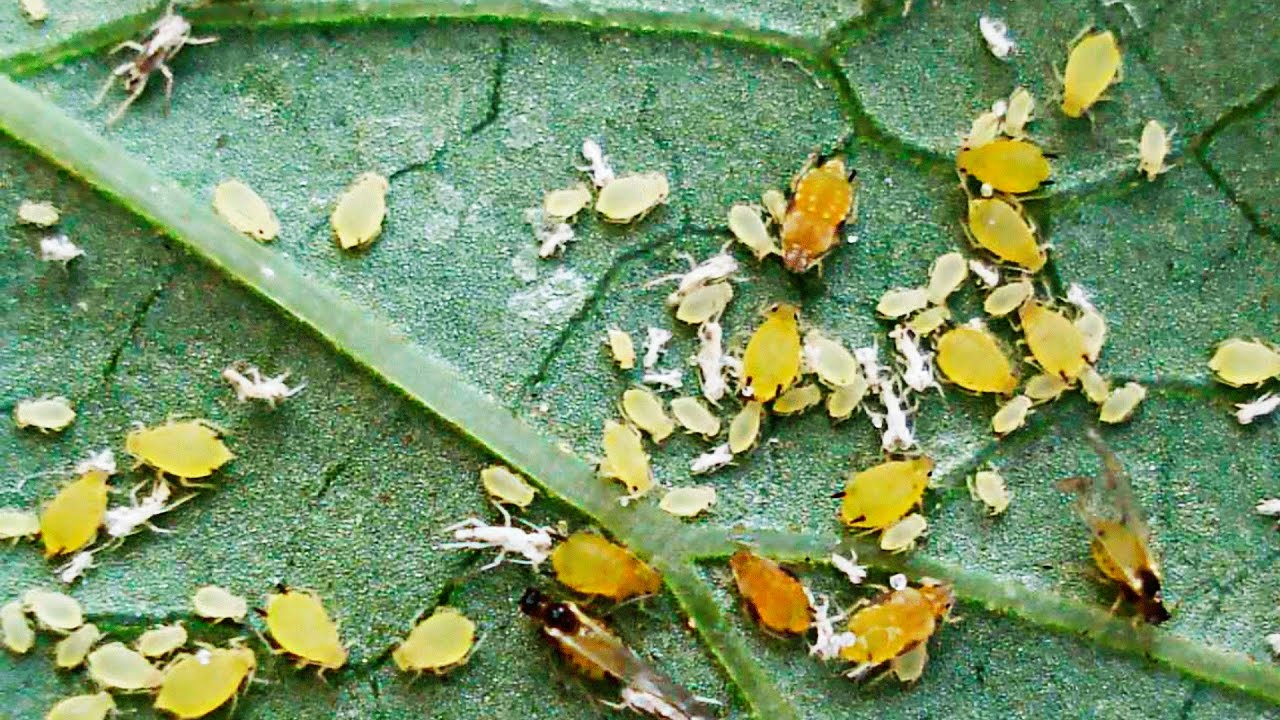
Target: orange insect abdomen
(896, 623)
(775, 597)
(823, 198)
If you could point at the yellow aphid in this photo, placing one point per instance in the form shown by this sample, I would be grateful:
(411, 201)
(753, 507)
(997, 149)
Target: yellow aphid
(688, 501)
(196, 684)
(745, 427)
(95, 706)
(119, 667)
(245, 210)
(1092, 65)
(797, 399)
(772, 359)
(40, 214)
(591, 565)
(749, 229)
(161, 640)
(774, 597)
(1153, 148)
(902, 535)
(842, 401)
(53, 610)
(357, 218)
(1001, 228)
(1121, 403)
(622, 348)
(704, 303)
(1019, 112)
(1009, 166)
(507, 487)
(437, 644)
(971, 357)
(630, 197)
(984, 130)
(988, 488)
(15, 629)
(1011, 415)
(625, 458)
(879, 496)
(1238, 362)
(71, 650)
(695, 416)
(1055, 342)
(834, 365)
(902, 301)
(945, 276)
(1093, 327)
(299, 624)
(217, 604)
(17, 524)
(894, 624)
(186, 449)
(1044, 387)
(1095, 387)
(775, 203)
(644, 410)
(47, 414)
(564, 204)
(70, 521)
(822, 198)
(1007, 298)
(928, 322)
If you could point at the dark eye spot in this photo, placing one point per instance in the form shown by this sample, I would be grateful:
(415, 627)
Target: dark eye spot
(562, 619)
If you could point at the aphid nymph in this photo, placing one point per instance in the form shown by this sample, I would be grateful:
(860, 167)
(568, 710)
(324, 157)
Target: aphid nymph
(162, 43)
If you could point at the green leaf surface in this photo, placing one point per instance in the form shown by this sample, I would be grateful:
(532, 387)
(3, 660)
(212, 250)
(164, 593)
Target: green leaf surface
(449, 345)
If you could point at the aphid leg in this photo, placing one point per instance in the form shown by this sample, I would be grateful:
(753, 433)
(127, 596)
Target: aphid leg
(120, 110)
(128, 45)
(201, 40)
(121, 69)
(168, 95)
(1080, 35)
(502, 556)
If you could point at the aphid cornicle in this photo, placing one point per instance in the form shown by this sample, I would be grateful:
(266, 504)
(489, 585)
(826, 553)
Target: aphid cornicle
(772, 358)
(895, 624)
(1093, 63)
(774, 597)
(1120, 534)
(822, 198)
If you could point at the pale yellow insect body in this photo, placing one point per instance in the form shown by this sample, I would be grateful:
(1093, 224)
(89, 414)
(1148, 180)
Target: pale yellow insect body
(971, 357)
(1011, 415)
(1020, 112)
(563, 204)
(218, 604)
(1153, 147)
(1095, 387)
(695, 417)
(245, 210)
(749, 229)
(47, 414)
(40, 214)
(1007, 165)
(1093, 327)
(775, 202)
(17, 524)
(1093, 64)
(644, 410)
(71, 520)
(196, 684)
(622, 348)
(902, 535)
(299, 624)
(95, 706)
(830, 360)
(437, 644)
(929, 320)
(1007, 298)
(507, 487)
(1121, 403)
(797, 399)
(119, 667)
(161, 640)
(988, 488)
(688, 501)
(1055, 342)
(879, 496)
(186, 449)
(357, 218)
(909, 666)
(902, 301)
(625, 458)
(744, 429)
(704, 303)
(71, 650)
(630, 197)
(945, 276)
(842, 401)
(1003, 229)
(772, 358)
(984, 130)
(1238, 362)
(15, 629)
(1044, 387)
(53, 610)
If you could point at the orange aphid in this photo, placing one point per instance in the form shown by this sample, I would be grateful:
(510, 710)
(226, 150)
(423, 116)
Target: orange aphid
(774, 596)
(590, 564)
(895, 623)
(822, 197)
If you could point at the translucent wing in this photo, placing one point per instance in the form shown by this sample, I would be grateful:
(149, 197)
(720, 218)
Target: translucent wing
(1117, 481)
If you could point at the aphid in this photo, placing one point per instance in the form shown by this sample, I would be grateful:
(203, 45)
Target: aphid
(18, 524)
(72, 650)
(773, 596)
(881, 495)
(655, 343)
(251, 385)
(622, 348)
(1246, 413)
(533, 545)
(625, 459)
(971, 357)
(103, 460)
(631, 197)
(989, 275)
(59, 249)
(930, 320)
(1020, 112)
(711, 361)
(40, 214)
(53, 610)
(842, 401)
(695, 417)
(120, 667)
(897, 433)
(161, 640)
(1269, 506)
(94, 706)
(70, 521)
(917, 370)
(797, 399)
(553, 236)
(1055, 342)
(711, 460)
(46, 414)
(834, 365)
(438, 644)
(1090, 322)
(1011, 415)
(945, 276)
(672, 379)
(505, 486)
(849, 566)
(1044, 387)
(996, 34)
(715, 269)
(872, 370)
(589, 564)
(299, 624)
(1238, 362)
(902, 535)
(75, 567)
(689, 501)
(163, 41)
(772, 359)
(775, 203)
(1120, 535)
(902, 301)
(894, 624)
(597, 163)
(589, 646)
(357, 218)
(1154, 146)
(822, 198)
(997, 225)
(561, 205)
(1095, 387)
(745, 427)
(749, 229)
(988, 488)
(645, 411)
(1093, 63)
(37, 11)
(186, 449)
(196, 684)
(984, 129)
(704, 303)
(218, 604)
(121, 522)
(15, 630)
(245, 210)
(828, 643)
(1121, 403)
(1007, 165)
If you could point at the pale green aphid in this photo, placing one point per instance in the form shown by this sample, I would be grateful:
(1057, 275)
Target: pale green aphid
(71, 650)
(53, 610)
(745, 428)
(1007, 298)
(507, 487)
(1044, 387)
(704, 303)
(644, 410)
(630, 197)
(902, 535)
(16, 631)
(749, 229)
(120, 667)
(902, 301)
(218, 604)
(161, 640)
(775, 203)
(834, 365)
(1238, 362)
(1121, 403)
(47, 414)
(946, 275)
(842, 401)
(988, 488)
(625, 459)
(95, 706)
(1019, 112)
(437, 644)
(930, 320)
(17, 524)
(688, 501)
(564, 204)
(797, 399)
(357, 218)
(695, 417)
(245, 210)
(1095, 387)
(1153, 147)
(40, 214)
(1011, 415)
(622, 348)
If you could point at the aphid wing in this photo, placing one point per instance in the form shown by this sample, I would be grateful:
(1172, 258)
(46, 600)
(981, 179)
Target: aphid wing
(599, 647)
(1117, 481)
